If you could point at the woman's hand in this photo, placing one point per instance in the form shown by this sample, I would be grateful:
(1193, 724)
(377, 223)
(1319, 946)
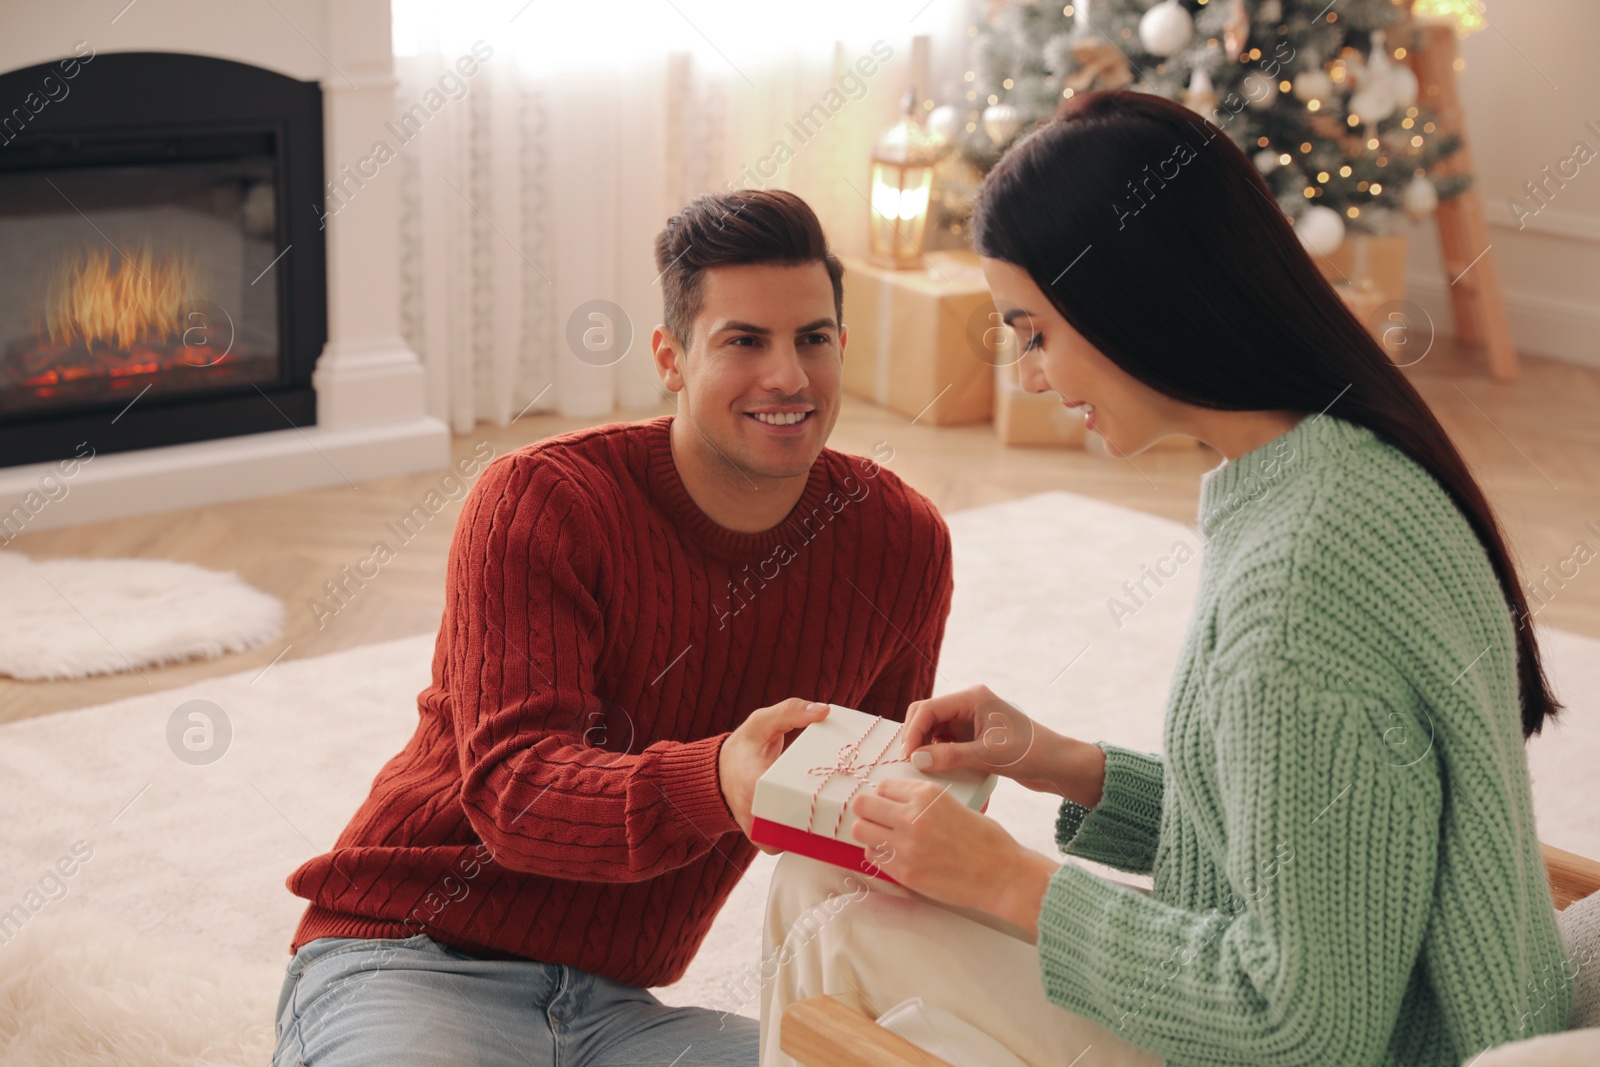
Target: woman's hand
(930, 842)
(976, 729)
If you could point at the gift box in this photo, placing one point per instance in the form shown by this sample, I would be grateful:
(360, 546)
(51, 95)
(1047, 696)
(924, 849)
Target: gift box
(802, 802)
(1040, 420)
(1032, 419)
(1368, 272)
(1365, 257)
(1364, 300)
(910, 347)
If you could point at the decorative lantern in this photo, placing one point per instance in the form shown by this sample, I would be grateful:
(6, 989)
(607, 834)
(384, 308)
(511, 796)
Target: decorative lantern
(902, 186)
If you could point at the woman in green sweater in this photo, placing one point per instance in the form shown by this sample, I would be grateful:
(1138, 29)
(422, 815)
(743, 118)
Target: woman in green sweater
(1340, 831)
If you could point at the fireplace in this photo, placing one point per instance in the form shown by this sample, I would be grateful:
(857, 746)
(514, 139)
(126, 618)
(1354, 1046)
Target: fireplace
(162, 262)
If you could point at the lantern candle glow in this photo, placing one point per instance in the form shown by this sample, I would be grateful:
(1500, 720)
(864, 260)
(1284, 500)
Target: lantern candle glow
(902, 186)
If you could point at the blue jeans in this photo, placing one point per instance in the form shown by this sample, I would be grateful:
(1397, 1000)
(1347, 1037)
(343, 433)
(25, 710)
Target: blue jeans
(350, 1001)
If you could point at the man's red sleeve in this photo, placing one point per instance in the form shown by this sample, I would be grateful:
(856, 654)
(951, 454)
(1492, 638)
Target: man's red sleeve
(537, 785)
(911, 673)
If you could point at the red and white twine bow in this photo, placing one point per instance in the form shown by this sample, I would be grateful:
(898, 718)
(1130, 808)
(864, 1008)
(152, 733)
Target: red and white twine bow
(849, 762)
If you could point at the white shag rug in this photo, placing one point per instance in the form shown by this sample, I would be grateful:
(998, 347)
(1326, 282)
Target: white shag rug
(166, 945)
(70, 618)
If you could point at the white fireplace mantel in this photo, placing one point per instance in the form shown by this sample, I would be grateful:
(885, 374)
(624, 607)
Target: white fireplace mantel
(372, 414)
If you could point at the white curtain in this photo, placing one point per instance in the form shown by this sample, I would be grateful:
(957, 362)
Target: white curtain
(538, 183)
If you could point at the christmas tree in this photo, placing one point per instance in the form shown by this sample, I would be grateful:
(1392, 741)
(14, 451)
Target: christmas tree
(1318, 94)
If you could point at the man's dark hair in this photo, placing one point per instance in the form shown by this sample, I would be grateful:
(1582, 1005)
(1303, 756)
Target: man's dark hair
(746, 226)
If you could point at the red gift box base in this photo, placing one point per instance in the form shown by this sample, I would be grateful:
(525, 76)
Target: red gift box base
(826, 849)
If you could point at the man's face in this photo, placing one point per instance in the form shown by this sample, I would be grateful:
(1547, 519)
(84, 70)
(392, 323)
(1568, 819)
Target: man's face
(761, 379)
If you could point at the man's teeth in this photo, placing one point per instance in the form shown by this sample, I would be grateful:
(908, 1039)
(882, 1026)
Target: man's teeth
(781, 419)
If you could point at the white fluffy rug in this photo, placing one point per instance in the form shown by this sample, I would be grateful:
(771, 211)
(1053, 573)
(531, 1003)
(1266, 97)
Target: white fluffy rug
(166, 945)
(68, 618)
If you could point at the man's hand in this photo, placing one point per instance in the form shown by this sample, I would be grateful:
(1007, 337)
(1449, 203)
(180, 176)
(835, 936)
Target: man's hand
(753, 747)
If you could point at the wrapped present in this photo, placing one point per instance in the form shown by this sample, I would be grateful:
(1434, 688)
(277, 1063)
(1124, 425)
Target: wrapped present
(1040, 420)
(802, 802)
(1364, 300)
(909, 348)
(1379, 261)
(1024, 418)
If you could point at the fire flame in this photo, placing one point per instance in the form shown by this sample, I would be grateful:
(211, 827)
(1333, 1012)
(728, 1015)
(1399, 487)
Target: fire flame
(142, 300)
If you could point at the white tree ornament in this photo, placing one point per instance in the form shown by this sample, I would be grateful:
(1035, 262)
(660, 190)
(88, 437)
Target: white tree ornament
(1313, 84)
(944, 122)
(1404, 81)
(1320, 229)
(1375, 98)
(1421, 197)
(1201, 97)
(1373, 102)
(1001, 122)
(1165, 29)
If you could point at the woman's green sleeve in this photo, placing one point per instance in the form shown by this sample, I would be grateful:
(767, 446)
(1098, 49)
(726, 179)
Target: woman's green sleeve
(1122, 829)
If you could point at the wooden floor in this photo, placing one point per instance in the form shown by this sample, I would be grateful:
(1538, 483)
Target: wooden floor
(1534, 445)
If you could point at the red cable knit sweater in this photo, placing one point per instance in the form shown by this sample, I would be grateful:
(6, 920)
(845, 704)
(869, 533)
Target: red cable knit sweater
(601, 636)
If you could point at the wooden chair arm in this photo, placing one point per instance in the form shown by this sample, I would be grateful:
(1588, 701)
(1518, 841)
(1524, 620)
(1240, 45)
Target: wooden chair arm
(1572, 877)
(822, 1032)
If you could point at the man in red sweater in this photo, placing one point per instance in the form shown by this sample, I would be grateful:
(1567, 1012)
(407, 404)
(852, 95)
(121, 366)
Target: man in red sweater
(637, 616)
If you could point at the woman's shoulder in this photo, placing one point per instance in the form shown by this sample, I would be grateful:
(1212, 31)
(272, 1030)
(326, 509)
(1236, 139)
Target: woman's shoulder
(1373, 501)
(1334, 490)
(1364, 548)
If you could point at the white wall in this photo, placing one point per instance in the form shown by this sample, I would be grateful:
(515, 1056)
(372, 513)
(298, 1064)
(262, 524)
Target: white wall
(250, 33)
(1531, 84)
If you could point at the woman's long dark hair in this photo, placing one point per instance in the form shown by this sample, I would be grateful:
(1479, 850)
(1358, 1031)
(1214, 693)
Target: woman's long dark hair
(1157, 239)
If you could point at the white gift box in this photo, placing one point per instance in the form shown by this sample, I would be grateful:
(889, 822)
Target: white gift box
(801, 803)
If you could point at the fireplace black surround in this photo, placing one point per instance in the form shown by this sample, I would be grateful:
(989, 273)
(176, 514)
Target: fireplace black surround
(163, 274)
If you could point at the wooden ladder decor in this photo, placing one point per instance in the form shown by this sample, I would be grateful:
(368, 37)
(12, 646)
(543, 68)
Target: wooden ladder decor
(1473, 280)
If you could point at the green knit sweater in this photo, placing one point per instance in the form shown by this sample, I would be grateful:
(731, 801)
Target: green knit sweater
(1341, 834)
